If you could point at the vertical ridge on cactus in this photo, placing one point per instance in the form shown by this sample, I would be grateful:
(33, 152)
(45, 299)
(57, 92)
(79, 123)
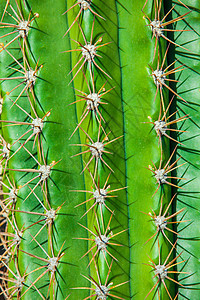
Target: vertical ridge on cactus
(188, 197)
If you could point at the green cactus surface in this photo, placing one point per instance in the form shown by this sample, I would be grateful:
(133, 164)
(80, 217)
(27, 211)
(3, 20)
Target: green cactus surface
(99, 141)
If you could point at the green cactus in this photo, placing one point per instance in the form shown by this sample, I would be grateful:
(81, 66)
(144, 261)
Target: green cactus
(99, 149)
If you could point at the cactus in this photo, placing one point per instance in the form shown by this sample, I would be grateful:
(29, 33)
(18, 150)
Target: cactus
(99, 149)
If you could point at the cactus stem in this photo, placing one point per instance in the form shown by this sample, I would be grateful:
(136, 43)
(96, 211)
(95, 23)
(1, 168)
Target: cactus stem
(161, 125)
(89, 52)
(84, 5)
(21, 27)
(36, 126)
(99, 195)
(96, 149)
(51, 264)
(18, 281)
(161, 221)
(5, 153)
(5, 256)
(4, 12)
(101, 240)
(44, 172)
(16, 236)
(12, 194)
(92, 100)
(158, 26)
(161, 173)
(159, 77)
(183, 4)
(162, 270)
(101, 291)
(29, 76)
(49, 215)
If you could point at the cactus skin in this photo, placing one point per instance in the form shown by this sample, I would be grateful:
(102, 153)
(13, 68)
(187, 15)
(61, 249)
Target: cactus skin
(64, 178)
(128, 107)
(188, 239)
(110, 57)
(140, 144)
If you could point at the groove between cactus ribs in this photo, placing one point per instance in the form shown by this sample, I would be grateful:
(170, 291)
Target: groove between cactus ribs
(125, 155)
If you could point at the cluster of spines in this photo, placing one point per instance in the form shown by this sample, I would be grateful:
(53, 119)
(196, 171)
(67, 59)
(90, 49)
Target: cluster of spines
(162, 77)
(11, 241)
(162, 126)
(100, 234)
(27, 144)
